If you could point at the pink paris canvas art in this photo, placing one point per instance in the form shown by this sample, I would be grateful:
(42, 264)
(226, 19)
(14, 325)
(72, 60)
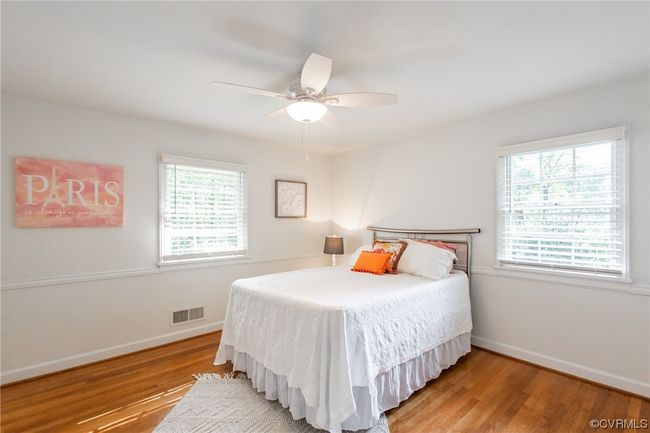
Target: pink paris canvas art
(51, 193)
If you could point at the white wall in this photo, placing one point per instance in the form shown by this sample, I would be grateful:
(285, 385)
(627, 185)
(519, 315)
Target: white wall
(446, 179)
(73, 295)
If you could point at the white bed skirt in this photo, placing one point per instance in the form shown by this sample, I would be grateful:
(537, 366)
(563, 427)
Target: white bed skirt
(391, 387)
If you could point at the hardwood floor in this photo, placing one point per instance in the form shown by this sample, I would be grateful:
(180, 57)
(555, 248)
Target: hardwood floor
(483, 392)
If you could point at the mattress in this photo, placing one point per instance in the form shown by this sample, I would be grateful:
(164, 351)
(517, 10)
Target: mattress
(329, 332)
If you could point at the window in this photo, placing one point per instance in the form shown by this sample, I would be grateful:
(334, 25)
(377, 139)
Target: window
(202, 209)
(561, 203)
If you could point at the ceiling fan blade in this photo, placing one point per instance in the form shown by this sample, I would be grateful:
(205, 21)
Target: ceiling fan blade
(332, 120)
(253, 90)
(361, 99)
(315, 73)
(274, 114)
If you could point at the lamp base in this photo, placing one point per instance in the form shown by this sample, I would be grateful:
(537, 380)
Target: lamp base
(333, 259)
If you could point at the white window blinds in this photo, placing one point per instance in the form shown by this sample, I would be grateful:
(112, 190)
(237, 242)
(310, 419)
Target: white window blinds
(561, 203)
(203, 209)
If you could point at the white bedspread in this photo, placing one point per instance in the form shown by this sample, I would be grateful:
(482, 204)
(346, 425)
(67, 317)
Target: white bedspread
(329, 329)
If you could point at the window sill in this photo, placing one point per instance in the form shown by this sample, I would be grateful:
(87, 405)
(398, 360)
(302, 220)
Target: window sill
(599, 282)
(562, 273)
(242, 259)
(203, 262)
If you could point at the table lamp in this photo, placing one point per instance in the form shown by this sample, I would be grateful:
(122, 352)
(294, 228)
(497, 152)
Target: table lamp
(333, 246)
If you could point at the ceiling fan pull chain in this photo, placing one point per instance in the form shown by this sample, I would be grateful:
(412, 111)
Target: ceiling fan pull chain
(304, 139)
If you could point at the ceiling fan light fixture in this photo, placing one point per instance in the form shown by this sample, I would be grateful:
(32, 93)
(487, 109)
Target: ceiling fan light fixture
(306, 111)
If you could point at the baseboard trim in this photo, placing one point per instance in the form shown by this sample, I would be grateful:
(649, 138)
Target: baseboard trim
(598, 376)
(77, 360)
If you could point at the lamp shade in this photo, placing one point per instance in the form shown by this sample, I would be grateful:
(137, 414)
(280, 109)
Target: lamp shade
(333, 245)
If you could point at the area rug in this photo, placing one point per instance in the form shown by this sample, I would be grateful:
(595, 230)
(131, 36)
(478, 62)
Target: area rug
(226, 404)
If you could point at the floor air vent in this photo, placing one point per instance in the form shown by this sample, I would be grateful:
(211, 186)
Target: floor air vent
(187, 315)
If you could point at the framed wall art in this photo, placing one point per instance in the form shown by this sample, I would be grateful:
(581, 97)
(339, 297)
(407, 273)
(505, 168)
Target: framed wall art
(52, 193)
(290, 199)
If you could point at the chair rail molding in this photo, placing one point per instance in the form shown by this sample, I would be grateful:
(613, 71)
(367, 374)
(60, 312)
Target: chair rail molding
(58, 280)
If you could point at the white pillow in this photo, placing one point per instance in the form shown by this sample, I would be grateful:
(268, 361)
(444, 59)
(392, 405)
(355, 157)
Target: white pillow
(355, 256)
(426, 260)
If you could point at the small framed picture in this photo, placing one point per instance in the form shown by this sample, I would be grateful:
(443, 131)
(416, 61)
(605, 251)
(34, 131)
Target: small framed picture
(290, 199)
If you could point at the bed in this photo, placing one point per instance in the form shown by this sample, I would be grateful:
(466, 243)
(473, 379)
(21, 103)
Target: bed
(338, 347)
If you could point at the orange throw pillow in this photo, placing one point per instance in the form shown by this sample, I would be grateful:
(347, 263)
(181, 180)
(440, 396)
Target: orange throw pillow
(373, 263)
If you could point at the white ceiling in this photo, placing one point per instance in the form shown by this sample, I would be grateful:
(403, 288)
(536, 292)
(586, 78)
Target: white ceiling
(447, 61)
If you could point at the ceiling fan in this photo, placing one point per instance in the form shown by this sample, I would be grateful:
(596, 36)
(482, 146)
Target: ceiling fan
(309, 98)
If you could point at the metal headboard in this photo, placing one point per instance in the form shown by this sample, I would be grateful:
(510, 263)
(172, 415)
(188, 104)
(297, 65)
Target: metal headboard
(464, 254)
